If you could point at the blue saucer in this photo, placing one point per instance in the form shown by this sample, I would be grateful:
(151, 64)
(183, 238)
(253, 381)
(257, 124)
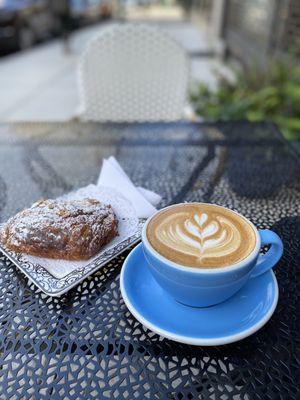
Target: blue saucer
(240, 316)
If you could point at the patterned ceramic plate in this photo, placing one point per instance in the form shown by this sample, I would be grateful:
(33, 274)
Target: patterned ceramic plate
(55, 277)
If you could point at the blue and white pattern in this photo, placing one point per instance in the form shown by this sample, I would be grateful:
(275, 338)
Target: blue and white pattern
(55, 277)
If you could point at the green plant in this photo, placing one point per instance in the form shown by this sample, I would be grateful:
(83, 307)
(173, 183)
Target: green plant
(271, 94)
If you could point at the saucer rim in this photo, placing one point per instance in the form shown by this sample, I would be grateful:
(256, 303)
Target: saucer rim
(197, 341)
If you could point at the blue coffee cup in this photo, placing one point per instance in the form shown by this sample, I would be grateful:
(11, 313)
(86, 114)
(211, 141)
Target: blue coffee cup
(203, 287)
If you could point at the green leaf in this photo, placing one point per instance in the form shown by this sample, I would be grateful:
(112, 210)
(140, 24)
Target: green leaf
(290, 123)
(256, 94)
(255, 116)
(292, 91)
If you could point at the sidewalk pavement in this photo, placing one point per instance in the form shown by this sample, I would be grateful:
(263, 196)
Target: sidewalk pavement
(40, 84)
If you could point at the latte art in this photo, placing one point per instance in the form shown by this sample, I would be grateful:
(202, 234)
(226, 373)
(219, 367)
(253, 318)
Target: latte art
(201, 235)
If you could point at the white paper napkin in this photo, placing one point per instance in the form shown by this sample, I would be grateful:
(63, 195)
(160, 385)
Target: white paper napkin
(143, 200)
(152, 197)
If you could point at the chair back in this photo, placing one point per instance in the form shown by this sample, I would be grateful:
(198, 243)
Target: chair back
(131, 72)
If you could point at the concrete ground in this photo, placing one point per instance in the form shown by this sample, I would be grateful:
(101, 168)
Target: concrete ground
(40, 84)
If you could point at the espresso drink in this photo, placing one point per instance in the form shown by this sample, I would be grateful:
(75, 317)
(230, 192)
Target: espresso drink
(201, 235)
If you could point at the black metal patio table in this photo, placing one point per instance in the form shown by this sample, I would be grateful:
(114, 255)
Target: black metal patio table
(86, 344)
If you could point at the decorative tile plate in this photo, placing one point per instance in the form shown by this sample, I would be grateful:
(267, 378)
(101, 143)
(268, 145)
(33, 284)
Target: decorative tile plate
(55, 277)
(56, 287)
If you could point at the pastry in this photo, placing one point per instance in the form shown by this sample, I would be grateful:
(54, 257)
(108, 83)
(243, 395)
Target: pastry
(70, 230)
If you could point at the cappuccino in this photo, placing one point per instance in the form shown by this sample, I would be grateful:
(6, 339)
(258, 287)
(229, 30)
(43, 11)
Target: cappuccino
(201, 235)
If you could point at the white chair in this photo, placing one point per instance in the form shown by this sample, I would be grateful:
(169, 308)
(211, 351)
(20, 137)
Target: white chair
(133, 72)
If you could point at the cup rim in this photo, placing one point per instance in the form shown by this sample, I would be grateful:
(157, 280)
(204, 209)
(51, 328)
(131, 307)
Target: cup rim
(209, 271)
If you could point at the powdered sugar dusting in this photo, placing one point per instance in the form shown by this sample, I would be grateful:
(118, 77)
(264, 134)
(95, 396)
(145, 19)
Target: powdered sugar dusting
(127, 226)
(53, 223)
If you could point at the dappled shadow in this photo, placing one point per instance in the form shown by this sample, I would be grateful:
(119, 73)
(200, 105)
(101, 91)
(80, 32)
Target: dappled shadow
(260, 171)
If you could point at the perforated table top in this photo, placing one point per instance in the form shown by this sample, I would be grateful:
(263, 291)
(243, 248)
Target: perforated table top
(86, 344)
